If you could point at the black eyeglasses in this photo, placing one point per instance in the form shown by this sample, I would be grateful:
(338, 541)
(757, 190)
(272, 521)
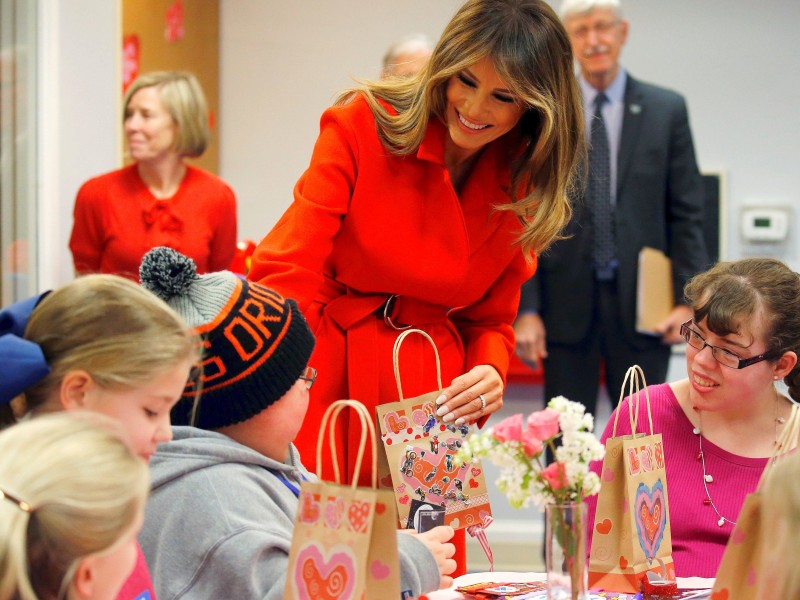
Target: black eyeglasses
(723, 356)
(309, 375)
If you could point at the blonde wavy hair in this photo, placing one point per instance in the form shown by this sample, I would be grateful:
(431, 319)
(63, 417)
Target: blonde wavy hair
(74, 489)
(531, 52)
(110, 327)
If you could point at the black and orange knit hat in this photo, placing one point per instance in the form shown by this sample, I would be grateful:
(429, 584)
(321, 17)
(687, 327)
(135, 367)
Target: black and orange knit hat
(257, 343)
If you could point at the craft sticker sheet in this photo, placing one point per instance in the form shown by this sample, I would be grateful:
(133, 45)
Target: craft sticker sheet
(420, 452)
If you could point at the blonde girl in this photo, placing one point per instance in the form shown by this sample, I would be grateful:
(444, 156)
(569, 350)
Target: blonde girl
(100, 343)
(72, 497)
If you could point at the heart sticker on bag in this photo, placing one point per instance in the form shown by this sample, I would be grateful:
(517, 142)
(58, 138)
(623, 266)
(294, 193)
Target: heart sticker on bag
(318, 578)
(651, 517)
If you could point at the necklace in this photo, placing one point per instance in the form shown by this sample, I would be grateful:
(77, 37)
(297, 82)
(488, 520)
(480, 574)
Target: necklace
(708, 501)
(708, 478)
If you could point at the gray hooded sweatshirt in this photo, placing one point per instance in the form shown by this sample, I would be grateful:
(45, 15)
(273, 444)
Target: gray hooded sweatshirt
(219, 522)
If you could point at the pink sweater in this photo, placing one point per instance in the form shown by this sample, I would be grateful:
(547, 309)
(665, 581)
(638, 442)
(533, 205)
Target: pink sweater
(697, 541)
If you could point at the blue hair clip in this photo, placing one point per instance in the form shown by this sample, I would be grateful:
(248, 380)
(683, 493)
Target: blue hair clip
(22, 362)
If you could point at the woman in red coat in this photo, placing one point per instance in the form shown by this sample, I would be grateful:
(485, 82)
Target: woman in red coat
(423, 206)
(159, 200)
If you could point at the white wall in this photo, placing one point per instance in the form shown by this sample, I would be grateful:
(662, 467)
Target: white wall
(282, 63)
(79, 117)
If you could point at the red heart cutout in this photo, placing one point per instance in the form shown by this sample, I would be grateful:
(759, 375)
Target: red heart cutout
(386, 481)
(603, 527)
(395, 423)
(404, 499)
(720, 595)
(473, 484)
(380, 507)
(623, 563)
(358, 515)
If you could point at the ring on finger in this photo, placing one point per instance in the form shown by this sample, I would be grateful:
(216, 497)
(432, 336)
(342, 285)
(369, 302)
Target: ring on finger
(483, 401)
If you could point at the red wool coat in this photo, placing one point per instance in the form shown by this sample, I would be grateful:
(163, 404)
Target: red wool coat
(366, 224)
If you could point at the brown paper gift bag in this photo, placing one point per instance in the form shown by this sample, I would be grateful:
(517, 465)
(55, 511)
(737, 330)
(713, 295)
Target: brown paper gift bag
(738, 576)
(417, 460)
(344, 545)
(632, 532)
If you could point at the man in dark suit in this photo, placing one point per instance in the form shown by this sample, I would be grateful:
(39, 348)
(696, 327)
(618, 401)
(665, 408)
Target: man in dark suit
(643, 189)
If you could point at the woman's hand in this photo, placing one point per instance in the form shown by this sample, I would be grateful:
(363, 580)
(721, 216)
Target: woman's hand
(438, 542)
(471, 396)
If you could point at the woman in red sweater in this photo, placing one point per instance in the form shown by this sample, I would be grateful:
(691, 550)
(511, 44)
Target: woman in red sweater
(423, 206)
(159, 200)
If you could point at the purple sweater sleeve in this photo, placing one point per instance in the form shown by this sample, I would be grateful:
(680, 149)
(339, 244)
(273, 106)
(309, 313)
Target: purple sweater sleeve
(697, 541)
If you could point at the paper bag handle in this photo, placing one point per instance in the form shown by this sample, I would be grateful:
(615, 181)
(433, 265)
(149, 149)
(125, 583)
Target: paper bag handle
(786, 443)
(329, 419)
(396, 358)
(634, 377)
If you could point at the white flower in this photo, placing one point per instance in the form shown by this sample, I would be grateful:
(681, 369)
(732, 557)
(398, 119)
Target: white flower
(521, 479)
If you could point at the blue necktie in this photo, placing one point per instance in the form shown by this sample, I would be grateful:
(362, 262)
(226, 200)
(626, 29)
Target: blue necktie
(599, 192)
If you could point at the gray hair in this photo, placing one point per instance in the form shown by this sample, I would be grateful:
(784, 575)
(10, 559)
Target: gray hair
(409, 43)
(571, 8)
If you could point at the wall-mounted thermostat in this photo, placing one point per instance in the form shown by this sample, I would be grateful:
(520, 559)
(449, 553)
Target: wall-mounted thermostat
(765, 224)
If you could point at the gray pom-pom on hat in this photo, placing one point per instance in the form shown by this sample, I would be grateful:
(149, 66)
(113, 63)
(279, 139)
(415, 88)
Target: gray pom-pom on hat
(173, 277)
(257, 342)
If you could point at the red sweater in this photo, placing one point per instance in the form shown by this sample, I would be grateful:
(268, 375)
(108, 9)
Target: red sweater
(117, 220)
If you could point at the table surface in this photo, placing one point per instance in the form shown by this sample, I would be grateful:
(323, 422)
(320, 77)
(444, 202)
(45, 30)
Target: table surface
(452, 594)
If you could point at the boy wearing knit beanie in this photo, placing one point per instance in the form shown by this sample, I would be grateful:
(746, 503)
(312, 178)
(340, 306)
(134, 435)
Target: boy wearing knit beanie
(225, 491)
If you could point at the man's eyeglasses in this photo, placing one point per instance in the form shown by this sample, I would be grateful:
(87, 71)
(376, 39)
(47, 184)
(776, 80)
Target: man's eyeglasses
(309, 375)
(723, 356)
(601, 28)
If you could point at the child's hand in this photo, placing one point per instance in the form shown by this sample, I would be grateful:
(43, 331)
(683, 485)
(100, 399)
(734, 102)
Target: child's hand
(438, 542)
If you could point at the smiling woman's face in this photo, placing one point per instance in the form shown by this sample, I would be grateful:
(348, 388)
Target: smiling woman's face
(480, 108)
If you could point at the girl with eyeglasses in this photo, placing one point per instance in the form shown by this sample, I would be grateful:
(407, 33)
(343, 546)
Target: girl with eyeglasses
(721, 423)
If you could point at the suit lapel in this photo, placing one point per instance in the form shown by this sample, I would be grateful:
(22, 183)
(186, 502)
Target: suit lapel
(631, 126)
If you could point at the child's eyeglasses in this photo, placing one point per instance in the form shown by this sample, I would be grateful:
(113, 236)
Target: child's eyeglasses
(309, 375)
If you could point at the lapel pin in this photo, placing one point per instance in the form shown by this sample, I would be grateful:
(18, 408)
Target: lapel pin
(635, 109)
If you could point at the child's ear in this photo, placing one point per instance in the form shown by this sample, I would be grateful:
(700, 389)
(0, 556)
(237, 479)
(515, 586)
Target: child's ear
(85, 578)
(75, 387)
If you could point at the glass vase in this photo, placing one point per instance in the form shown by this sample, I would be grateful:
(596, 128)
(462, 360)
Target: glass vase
(565, 551)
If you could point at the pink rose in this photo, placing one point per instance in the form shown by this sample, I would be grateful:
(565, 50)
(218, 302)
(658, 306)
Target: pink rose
(532, 445)
(555, 474)
(543, 424)
(509, 429)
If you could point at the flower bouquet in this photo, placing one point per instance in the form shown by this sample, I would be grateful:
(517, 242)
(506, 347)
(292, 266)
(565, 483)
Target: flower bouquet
(518, 446)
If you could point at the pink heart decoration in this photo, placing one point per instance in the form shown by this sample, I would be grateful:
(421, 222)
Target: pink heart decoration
(379, 570)
(394, 422)
(309, 508)
(651, 517)
(738, 536)
(358, 515)
(608, 475)
(334, 511)
(475, 471)
(419, 417)
(430, 469)
(325, 579)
